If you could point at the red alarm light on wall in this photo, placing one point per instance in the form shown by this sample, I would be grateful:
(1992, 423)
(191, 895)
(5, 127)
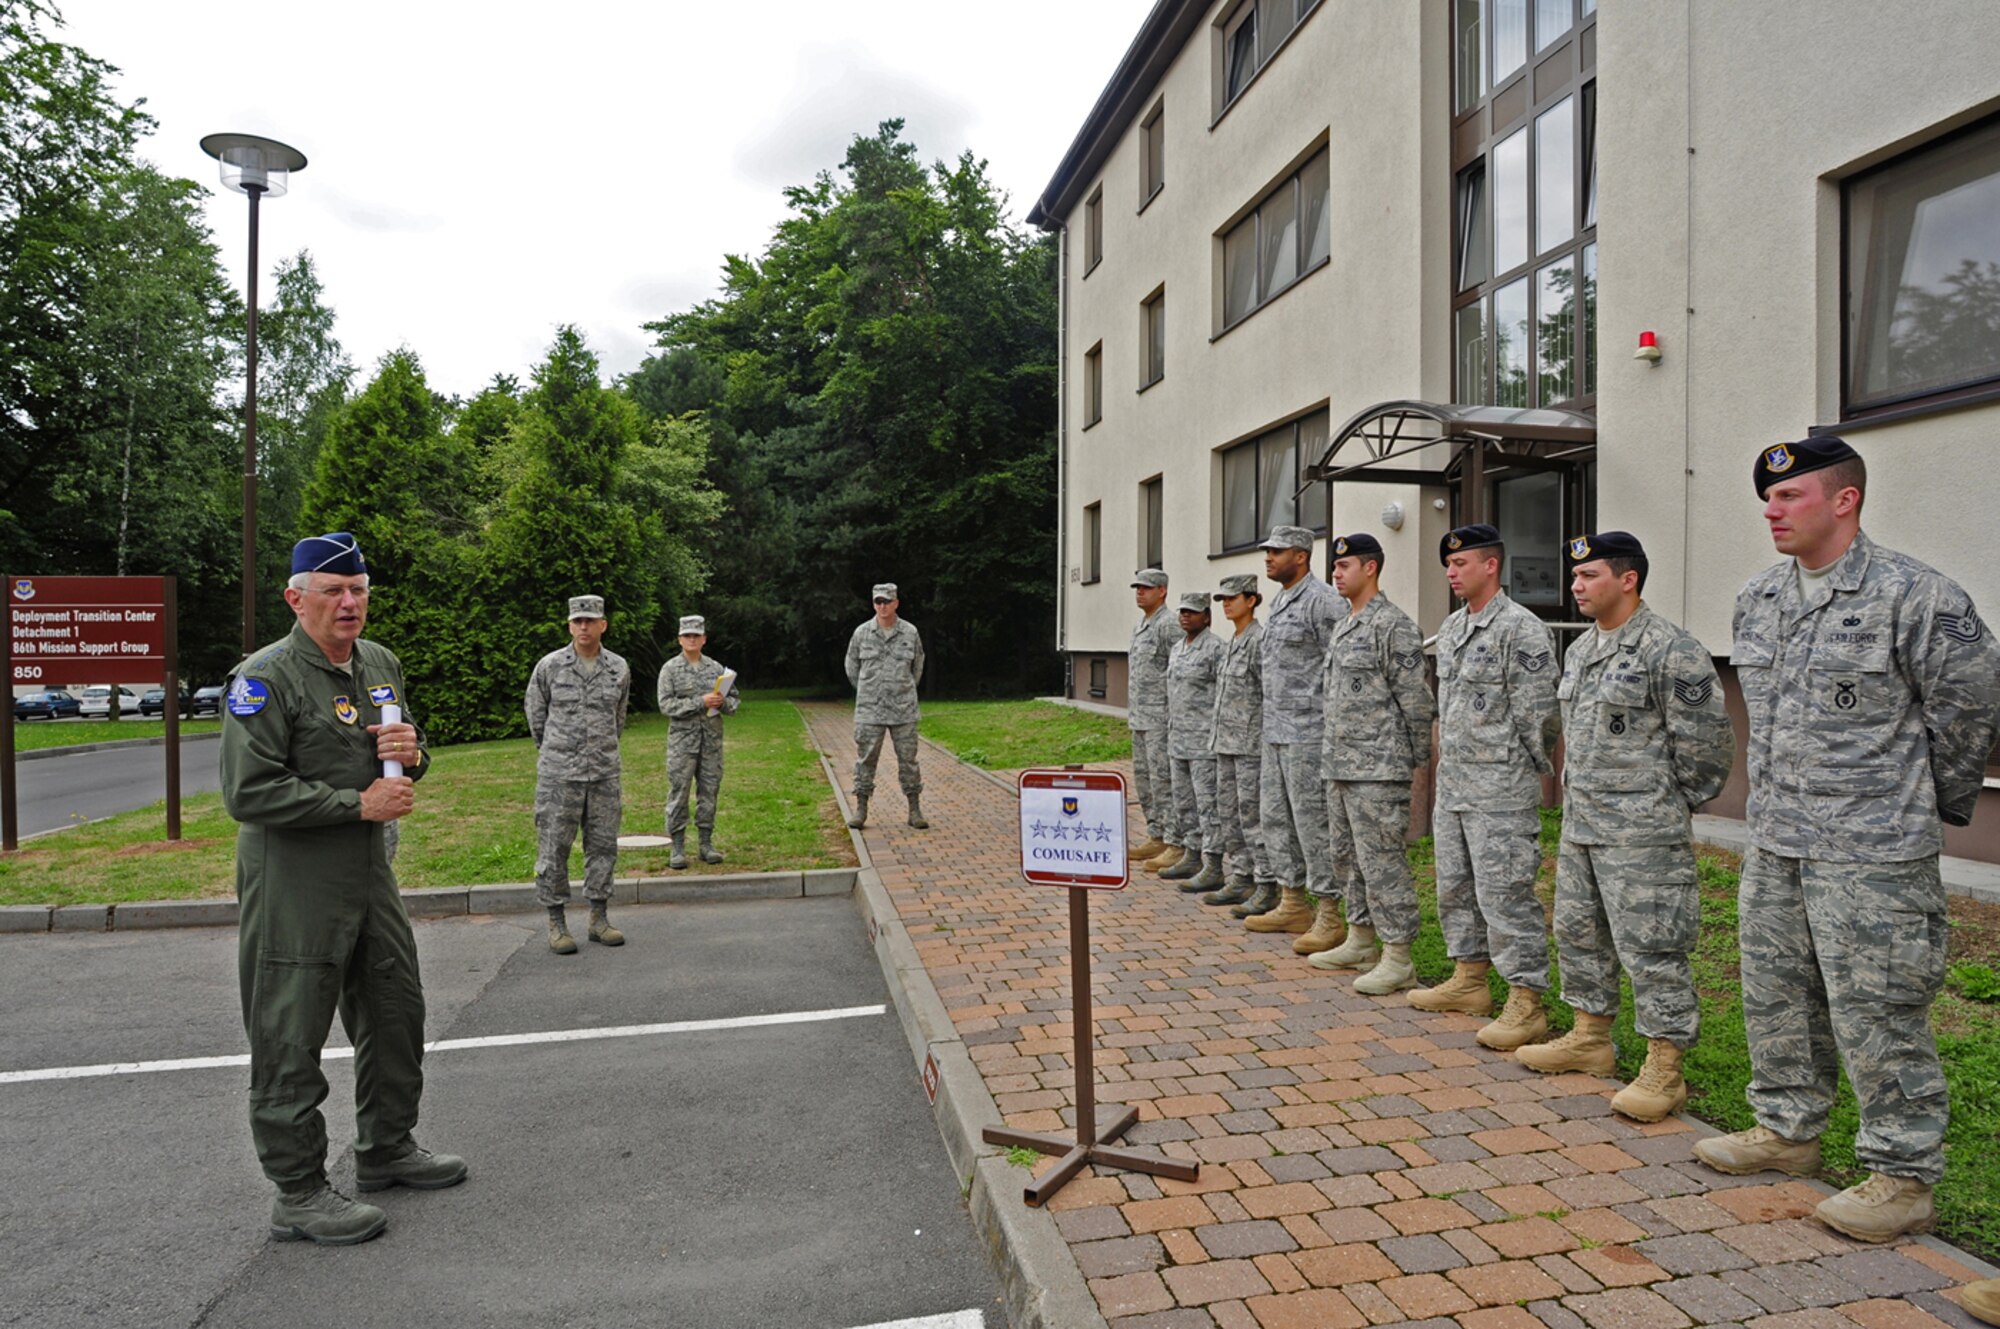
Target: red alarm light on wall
(1649, 348)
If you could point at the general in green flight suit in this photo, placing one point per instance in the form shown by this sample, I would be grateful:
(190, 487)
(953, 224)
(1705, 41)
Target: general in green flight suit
(322, 925)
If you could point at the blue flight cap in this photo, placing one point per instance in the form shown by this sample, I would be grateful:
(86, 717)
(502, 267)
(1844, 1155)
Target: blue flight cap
(336, 552)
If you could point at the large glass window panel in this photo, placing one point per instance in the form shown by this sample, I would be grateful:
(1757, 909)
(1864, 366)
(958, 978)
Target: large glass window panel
(1510, 344)
(1239, 271)
(1239, 497)
(1551, 22)
(1471, 336)
(1589, 319)
(1155, 173)
(1510, 37)
(1278, 232)
(1470, 56)
(1555, 175)
(1274, 24)
(1510, 201)
(1093, 385)
(1240, 52)
(1589, 155)
(1475, 242)
(1555, 333)
(1152, 517)
(1590, 6)
(1093, 542)
(1312, 443)
(1316, 230)
(1278, 476)
(1528, 511)
(1924, 272)
(1156, 338)
(1093, 231)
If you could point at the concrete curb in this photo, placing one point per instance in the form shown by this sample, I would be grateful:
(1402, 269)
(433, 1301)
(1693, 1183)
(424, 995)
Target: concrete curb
(435, 902)
(36, 754)
(1039, 1277)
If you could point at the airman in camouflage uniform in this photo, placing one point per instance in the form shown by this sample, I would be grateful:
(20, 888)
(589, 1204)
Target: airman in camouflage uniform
(1497, 734)
(1873, 691)
(1294, 641)
(1146, 715)
(885, 661)
(1192, 671)
(1377, 734)
(1647, 742)
(577, 701)
(694, 709)
(1237, 739)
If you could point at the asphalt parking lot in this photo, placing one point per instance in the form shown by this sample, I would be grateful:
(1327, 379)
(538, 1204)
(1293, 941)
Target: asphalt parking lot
(760, 1175)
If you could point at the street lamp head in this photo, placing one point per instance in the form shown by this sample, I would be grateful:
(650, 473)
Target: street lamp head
(253, 165)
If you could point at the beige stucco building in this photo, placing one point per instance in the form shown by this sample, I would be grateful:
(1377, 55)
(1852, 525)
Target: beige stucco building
(1322, 233)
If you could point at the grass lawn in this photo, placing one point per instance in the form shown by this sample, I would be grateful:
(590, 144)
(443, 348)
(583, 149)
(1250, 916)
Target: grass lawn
(73, 733)
(1008, 735)
(474, 822)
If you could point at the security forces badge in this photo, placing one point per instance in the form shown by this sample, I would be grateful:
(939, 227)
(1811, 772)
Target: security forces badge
(1778, 460)
(1579, 549)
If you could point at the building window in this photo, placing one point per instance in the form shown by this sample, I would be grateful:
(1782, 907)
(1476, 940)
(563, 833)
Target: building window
(1093, 543)
(1152, 523)
(1286, 236)
(1153, 337)
(1152, 155)
(1093, 231)
(1093, 385)
(1100, 676)
(1250, 35)
(1524, 257)
(1921, 247)
(1261, 478)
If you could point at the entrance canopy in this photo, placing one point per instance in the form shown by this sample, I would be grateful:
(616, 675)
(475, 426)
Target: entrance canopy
(1482, 438)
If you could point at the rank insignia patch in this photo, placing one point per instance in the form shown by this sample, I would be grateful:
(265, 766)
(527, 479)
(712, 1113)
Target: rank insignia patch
(1964, 627)
(1694, 691)
(1532, 661)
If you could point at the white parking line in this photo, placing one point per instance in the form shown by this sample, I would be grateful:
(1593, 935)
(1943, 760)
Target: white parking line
(949, 1320)
(490, 1041)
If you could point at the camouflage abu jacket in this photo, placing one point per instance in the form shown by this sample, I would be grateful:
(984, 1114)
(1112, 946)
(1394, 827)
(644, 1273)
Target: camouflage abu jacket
(1296, 633)
(1239, 696)
(1192, 671)
(1378, 703)
(1497, 721)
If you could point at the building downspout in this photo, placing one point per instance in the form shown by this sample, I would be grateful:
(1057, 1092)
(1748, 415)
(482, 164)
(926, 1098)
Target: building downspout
(1062, 454)
(1687, 352)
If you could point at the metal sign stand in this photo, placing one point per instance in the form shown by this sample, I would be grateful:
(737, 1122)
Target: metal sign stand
(1091, 1145)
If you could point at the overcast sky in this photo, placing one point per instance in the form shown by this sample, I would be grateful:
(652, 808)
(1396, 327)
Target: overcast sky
(479, 174)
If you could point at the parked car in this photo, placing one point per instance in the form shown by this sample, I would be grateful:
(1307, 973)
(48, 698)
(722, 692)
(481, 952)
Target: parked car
(51, 705)
(155, 701)
(97, 700)
(208, 700)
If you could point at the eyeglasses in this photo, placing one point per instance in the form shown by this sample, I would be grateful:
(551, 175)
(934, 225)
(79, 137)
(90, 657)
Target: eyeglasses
(336, 592)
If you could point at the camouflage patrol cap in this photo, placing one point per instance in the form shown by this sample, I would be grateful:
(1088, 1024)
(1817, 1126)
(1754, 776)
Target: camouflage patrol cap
(1789, 459)
(1149, 577)
(691, 623)
(885, 590)
(586, 606)
(1243, 585)
(1289, 537)
(1193, 602)
(1479, 535)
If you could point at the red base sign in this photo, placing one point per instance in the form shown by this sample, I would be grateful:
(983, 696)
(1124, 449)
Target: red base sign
(87, 629)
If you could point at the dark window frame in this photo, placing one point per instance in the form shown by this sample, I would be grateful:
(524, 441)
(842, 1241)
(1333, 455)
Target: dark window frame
(1152, 522)
(1152, 173)
(1224, 98)
(1252, 217)
(1093, 385)
(1093, 543)
(1093, 231)
(1261, 521)
(1152, 348)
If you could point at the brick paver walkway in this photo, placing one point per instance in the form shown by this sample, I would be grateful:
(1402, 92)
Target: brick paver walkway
(1363, 1162)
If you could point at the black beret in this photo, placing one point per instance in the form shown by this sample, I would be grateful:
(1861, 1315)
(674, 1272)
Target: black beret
(1477, 536)
(1358, 546)
(1603, 544)
(1789, 459)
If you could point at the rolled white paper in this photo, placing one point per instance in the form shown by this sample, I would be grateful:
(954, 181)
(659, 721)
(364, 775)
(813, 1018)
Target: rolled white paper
(392, 714)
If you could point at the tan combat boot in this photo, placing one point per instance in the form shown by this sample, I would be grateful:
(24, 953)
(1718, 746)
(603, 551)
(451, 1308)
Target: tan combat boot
(601, 930)
(1392, 973)
(1757, 1150)
(1465, 991)
(1881, 1208)
(1166, 858)
(1139, 853)
(1357, 952)
(1660, 1090)
(1587, 1047)
(1982, 1299)
(559, 939)
(1326, 932)
(1520, 1021)
(1293, 914)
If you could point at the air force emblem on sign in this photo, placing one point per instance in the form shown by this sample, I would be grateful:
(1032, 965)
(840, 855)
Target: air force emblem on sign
(343, 710)
(383, 694)
(24, 589)
(1069, 806)
(1778, 460)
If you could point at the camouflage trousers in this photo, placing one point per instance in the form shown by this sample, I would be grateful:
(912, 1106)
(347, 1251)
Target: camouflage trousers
(561, 806)
(694, 766)
(868, 751)
(1486, 866)
(1367, 821)
(1153, 783)
(1294, 817)
(1239, 811)
(1194, 804)
(1635, 906)
(1846, 958)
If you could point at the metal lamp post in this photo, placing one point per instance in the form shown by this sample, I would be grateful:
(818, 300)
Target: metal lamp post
(257, 167)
